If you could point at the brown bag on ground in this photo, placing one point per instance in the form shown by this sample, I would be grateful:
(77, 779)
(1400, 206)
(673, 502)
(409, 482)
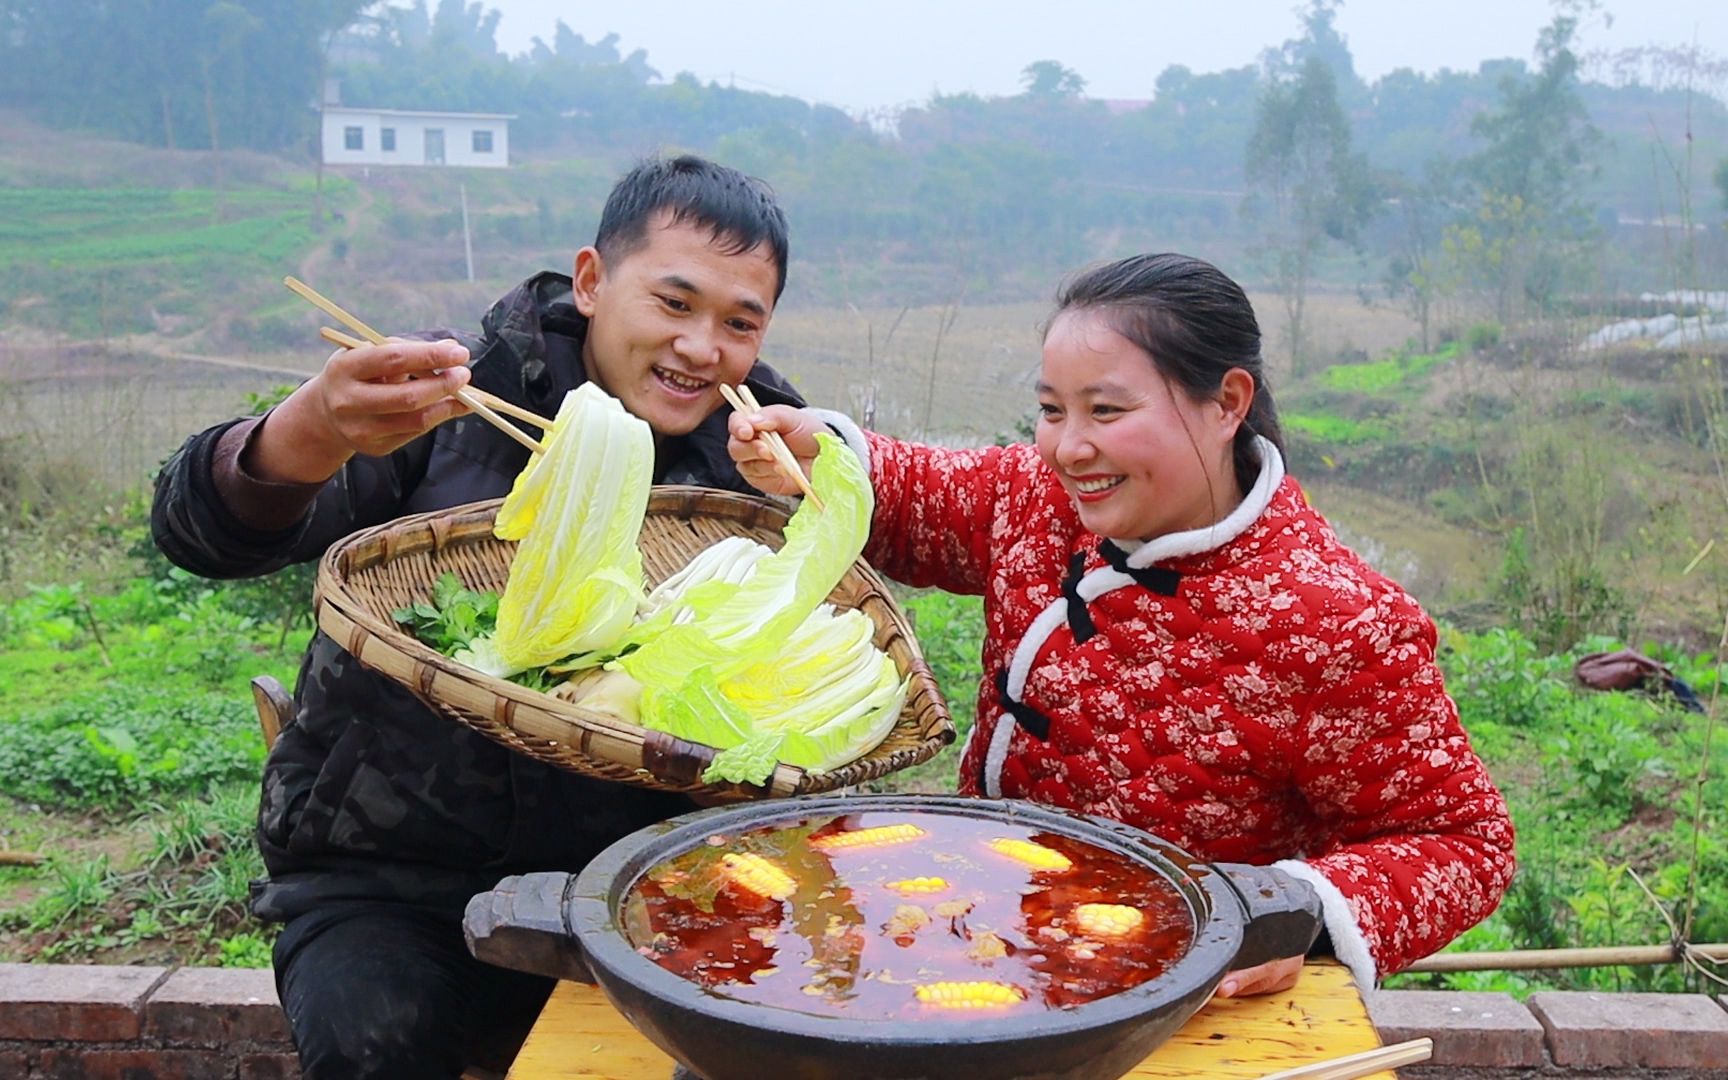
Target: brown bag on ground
(1621, 670)
(1627, 669)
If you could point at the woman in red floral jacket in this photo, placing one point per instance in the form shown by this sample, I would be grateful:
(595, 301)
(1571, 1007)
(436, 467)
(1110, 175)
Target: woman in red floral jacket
(1175, 638)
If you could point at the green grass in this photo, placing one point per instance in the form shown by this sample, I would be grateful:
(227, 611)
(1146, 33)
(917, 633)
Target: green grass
(1336, 430)
(1602, 790)
(1386, 374)
(132, 756)
(63, 227)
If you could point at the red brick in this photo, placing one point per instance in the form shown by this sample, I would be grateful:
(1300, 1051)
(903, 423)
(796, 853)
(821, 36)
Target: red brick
(1664, 1031)
(270, 1067)
(14, 1063)
(1468, 1028)
(217, 1007)
(132, 1065)
(79, 1002)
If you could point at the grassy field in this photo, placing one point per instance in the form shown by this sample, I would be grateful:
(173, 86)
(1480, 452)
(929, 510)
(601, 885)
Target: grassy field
(131, 759)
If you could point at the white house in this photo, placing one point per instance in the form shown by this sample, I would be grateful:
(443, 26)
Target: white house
(399, 137)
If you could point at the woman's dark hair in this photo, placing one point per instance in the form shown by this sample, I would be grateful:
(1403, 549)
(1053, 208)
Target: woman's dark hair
(1195, 323)
(740, 211)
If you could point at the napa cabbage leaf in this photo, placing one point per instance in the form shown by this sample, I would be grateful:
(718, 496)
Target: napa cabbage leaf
(576, 510)
(732, 629)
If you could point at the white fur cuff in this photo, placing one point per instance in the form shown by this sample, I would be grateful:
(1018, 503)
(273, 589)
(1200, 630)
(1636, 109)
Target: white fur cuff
(849, 432)
(1348, 943)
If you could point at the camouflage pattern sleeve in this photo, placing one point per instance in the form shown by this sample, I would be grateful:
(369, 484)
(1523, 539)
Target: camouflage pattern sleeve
(198, 531)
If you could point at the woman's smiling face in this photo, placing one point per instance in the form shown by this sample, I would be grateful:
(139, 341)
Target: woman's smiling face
(1138, 456)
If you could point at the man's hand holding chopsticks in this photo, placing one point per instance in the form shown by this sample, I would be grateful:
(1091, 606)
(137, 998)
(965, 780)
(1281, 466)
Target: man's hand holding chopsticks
(367, 400)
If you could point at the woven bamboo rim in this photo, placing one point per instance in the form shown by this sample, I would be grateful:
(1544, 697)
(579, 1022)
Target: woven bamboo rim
(365, 577)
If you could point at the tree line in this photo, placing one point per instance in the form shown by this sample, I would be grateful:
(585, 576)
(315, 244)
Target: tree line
(1487, 184)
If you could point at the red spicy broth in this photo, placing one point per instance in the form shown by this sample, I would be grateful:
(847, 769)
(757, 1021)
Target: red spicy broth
(855, 930)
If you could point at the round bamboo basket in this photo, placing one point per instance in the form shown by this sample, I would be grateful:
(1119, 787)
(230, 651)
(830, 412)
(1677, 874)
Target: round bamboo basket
(375, 571)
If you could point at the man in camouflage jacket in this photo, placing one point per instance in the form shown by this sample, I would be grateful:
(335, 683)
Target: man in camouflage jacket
(380, 818)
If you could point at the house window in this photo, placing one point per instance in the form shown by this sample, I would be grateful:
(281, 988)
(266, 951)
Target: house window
(387, 140)
(482, 142)
(354, 138)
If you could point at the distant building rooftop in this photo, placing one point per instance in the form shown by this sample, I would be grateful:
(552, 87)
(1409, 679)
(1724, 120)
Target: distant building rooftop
(422, 113)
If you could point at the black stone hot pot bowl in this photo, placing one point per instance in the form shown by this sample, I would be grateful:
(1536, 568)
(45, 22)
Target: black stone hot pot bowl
(566, 925)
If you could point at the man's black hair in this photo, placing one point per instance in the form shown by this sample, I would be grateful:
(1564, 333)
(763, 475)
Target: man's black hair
(740, 211)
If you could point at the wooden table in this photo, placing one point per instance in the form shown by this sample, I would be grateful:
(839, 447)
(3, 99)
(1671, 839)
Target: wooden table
(580, 1036)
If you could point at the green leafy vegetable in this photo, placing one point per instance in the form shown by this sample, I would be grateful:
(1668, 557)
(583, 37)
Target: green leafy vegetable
(763, 670)
(577, 509)
(454, 618)
(737, 651)
(733, 629)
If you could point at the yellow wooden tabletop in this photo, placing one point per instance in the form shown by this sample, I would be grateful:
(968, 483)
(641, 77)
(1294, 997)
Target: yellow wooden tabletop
(580, 1036)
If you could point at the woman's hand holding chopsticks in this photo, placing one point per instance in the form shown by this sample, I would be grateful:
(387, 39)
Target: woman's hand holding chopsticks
(757, 461)
(367, 400)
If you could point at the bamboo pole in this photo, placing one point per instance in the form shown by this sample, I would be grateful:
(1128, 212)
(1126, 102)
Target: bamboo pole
(21, 858)
(1530, 959)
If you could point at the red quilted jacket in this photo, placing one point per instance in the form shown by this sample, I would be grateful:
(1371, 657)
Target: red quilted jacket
(1252, 692)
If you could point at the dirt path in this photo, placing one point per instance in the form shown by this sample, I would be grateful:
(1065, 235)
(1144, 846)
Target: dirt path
(349, 220)
(148, 345)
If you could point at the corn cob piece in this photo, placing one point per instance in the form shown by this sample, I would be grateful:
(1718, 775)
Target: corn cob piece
(1037, 856)
(1107, 920)
(882, 834)
(919, 885)
(751, 871)
(969, 995)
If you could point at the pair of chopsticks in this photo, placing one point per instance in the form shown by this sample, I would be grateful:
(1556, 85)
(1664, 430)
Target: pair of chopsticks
(1352, 1066)
(489, 406)
(743, 400)
(498, 404)
(486, 406)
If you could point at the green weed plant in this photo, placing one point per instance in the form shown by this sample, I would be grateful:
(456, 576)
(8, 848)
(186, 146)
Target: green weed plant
(950, 632)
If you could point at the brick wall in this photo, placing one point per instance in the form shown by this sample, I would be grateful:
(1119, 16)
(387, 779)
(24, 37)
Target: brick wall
(83, 1022)
(1558, 1035)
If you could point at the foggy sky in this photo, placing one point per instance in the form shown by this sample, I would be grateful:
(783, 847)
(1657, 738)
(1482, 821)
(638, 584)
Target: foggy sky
(862, 54)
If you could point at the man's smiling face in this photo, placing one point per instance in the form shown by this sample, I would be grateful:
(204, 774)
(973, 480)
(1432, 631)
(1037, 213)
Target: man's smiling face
(672, 319)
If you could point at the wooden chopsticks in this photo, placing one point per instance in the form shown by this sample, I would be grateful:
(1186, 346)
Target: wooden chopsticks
(490, 406)
(1352, 1066)
(743, 400)
(468, 396)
